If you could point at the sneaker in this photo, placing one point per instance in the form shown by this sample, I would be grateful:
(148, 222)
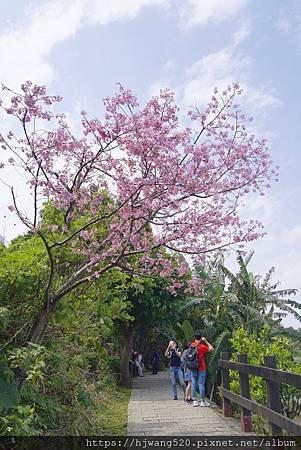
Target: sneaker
(204, 403)
(175, 398)
(195, 403)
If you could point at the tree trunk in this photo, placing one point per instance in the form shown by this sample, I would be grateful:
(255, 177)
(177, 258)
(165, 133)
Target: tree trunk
(39, 325)
(125, 355)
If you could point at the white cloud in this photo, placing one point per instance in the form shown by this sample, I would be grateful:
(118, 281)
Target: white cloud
(216, 69)
(261, 98)
(288, 266)
(106, 11)
(220, 69)
(169, 66)
(24, 48)
(154, 88)
(264, 208)
(289, 18)
(284, 25)
(200, 12)
(241, 34)
(294, 235)
(289, 22)
(168, 72)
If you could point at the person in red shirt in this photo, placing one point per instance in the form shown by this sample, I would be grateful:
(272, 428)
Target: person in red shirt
(199, 376)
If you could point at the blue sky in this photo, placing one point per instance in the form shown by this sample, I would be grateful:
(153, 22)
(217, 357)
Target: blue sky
(82, 48)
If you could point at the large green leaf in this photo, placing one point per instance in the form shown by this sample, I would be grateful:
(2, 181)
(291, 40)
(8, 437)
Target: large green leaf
(9, 395)
(188, 330)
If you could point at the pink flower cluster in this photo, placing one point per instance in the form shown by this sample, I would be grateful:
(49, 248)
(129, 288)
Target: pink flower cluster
(149, 184)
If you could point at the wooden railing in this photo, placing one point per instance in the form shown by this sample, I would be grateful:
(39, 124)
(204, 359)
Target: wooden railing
(273, 378)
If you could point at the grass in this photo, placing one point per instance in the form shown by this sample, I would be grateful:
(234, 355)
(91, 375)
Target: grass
(105, 414)
(111, 418)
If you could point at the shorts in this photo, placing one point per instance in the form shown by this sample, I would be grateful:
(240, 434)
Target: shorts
(187, 375)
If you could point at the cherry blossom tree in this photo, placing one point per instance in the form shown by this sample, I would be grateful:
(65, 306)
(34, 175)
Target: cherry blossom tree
(133, 186)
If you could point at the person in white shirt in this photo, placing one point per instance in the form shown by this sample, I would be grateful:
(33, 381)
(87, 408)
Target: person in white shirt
(139, 365)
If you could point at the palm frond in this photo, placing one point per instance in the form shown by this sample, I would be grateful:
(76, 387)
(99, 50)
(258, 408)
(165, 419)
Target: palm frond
(284, 292)
(252, 314)
(188, 330)
(290, 310)
(248, 257)
(228, 274)
(230, 297)
(242, 265)
(209, 330)
(192, 302)
(279, 315)
(280, 302)
(267, 278)
(217, 346)
(237, 319)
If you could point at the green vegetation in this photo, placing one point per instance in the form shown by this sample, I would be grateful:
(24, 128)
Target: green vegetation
(242, 313)
(113, 417)
(71, 382)
(256, 346)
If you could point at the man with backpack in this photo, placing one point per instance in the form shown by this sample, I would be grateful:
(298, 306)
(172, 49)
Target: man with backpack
(195, 361)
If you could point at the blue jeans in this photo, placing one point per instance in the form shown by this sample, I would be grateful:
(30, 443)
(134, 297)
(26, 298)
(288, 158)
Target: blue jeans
(176, 372)
(198, 377)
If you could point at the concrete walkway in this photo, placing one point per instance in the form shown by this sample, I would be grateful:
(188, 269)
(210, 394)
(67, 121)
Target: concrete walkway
(152, 412)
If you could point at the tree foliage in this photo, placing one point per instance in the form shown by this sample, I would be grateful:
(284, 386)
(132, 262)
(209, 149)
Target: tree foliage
(132, 184)
(256, 346)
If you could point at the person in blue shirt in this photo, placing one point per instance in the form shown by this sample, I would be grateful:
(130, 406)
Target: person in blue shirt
(173, 353)
(155, 362)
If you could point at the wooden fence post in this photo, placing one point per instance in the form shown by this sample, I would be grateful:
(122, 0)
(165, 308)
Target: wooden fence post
(245, 414)
(273, 394)
(227, 408)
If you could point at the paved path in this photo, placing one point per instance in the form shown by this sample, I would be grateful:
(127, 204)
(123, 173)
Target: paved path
(152, 412)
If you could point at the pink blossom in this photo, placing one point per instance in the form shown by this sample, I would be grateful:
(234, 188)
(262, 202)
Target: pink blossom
(136, 186)
(84, 234)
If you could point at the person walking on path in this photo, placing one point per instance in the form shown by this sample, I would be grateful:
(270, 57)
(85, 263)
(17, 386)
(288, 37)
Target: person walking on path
(139, 363)
(187, 375)
(155, 362)
(137, 358)
(173, 353)
(199, 375)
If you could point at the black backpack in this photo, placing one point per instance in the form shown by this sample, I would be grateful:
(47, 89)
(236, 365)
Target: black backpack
(192, 358)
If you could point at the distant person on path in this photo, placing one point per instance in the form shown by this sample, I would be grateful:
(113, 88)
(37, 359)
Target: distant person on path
(187, 375)
(155, 362)
(173, 353)
(140, 364)
(137, 358)
(133, 363)
(199, 375)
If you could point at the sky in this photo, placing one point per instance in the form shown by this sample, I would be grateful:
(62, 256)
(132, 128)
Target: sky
(81, 49)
